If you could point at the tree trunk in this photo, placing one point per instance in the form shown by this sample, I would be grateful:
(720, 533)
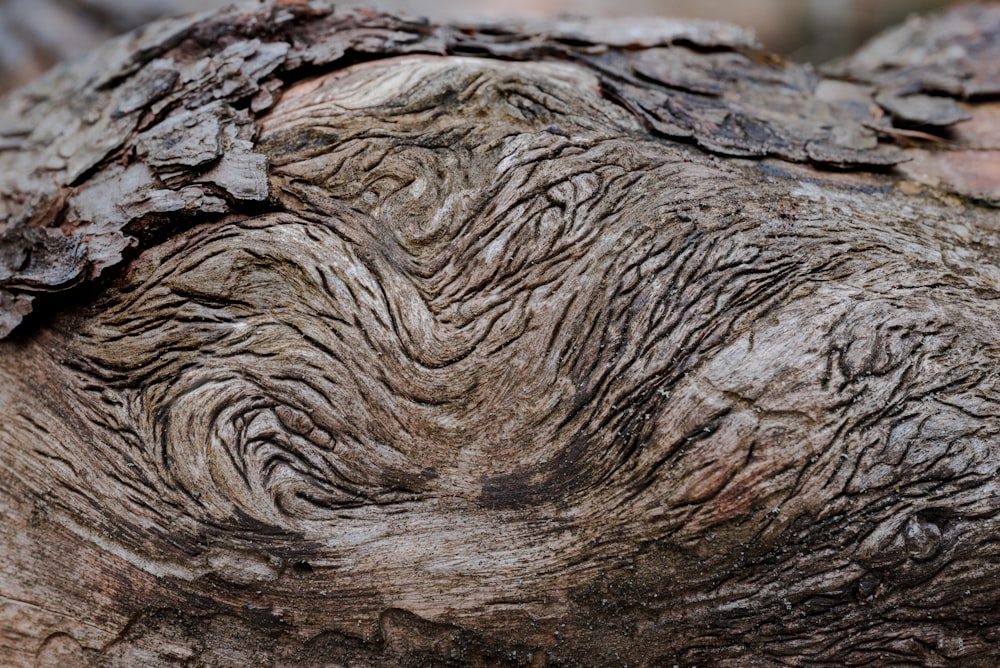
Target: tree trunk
(335, 338)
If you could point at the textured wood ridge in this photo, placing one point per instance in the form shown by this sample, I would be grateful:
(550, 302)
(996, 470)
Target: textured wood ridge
(364, 341)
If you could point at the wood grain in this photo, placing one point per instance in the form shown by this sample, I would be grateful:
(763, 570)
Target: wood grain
(446, 359)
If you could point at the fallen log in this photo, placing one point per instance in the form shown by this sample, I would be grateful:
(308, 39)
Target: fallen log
(337, 338)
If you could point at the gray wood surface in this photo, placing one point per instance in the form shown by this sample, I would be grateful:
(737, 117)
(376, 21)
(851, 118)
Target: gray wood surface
(334, 338)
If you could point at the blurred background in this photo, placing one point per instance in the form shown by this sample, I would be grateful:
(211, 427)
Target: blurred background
(35, 34)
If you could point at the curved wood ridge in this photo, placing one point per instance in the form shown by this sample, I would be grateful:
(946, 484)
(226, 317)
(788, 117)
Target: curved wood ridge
(551, 345)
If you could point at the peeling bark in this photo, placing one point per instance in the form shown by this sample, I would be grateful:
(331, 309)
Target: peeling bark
(361, 340)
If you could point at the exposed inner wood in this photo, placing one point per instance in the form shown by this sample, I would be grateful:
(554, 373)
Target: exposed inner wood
(496, 374)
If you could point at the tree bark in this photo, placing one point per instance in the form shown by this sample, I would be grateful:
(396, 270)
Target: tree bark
(336, 338)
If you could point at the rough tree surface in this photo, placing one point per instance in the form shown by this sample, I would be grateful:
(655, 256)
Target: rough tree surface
(37, 34)
(336, 338)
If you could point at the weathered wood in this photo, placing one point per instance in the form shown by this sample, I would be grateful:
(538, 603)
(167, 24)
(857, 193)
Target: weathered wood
(366, 341)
